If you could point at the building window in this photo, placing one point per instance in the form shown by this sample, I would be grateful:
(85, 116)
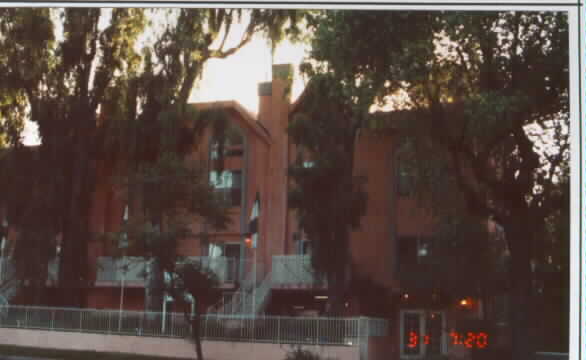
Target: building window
(228, 186)
(224, 260)
(422, 333)
(229, 150)
(229, 250)
(405, 178)
(407, 250)
(415, 250)
(233, 145)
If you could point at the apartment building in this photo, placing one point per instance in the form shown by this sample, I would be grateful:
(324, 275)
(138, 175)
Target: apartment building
(271, 273)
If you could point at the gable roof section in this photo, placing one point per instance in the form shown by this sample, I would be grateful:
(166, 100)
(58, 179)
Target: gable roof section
(249, 121)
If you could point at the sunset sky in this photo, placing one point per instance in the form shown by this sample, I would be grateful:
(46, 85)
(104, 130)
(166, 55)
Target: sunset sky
(234, 78)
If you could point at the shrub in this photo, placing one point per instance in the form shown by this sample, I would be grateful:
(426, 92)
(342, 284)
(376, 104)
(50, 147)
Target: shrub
(298, 353)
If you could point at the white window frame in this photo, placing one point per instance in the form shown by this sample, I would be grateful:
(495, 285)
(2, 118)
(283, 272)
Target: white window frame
(422, 330)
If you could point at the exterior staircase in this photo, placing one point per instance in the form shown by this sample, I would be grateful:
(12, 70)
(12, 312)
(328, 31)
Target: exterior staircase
(250, 299)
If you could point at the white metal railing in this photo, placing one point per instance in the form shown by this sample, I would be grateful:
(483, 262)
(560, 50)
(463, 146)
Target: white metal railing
(272, 329)
(127, 268)
(254, 300)
(135, 268)
(294, 270)
(236, 304)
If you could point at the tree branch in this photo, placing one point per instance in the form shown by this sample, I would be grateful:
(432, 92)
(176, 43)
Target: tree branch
(246, 37)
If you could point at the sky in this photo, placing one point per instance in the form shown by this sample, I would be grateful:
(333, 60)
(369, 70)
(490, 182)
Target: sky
(237, 77)
(234, 78)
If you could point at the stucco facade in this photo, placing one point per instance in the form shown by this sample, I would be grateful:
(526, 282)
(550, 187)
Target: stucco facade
(258, 167)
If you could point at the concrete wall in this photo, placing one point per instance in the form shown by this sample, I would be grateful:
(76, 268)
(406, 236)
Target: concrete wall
(154, 346)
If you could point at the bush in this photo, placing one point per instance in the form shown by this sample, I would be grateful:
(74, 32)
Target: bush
(299, 353)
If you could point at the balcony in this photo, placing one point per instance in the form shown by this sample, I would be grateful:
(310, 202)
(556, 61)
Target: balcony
(294, 271)
(133, 270)
(8, 270)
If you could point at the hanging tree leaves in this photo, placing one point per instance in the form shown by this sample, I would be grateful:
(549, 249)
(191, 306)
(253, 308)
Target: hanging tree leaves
(476, 83)
(100, 101)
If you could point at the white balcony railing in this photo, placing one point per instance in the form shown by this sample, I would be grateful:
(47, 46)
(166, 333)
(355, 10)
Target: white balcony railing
(294, 270)
(8, 270)
(134, 269)
(128, 268)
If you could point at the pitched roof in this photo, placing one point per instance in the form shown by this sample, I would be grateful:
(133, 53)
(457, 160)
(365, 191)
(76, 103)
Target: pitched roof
(249, 119)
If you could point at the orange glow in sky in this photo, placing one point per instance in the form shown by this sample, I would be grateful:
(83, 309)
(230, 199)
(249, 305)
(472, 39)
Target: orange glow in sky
(234, 78)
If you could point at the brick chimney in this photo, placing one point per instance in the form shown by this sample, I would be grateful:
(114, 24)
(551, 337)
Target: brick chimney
(273, 114)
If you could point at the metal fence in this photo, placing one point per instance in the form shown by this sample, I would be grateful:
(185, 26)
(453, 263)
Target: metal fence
(270, 329)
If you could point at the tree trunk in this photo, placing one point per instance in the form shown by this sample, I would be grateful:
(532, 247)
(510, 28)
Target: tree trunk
(78, 190)
(154, 291)
(195, 327)
(521, 311)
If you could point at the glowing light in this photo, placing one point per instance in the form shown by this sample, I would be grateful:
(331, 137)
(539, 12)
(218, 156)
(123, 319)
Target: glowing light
(406, 296)
(248, 242)
(413, 339)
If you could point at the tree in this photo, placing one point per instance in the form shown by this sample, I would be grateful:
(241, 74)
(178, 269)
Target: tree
(166, 127)
(327, 196)
(176, 193)
(195, 282)
(61, 85)
(476, 82)
(97, 99)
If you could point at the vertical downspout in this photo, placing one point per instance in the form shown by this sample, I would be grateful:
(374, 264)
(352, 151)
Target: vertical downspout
(286, 199)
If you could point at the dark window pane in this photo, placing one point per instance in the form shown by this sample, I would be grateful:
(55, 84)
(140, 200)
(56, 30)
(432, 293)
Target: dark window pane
(405, 179)
(236, 196)
(234, 151)
(237, 179)
(407, 254)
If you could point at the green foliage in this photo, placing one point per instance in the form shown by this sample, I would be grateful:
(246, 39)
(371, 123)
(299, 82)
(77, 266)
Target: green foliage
(99, 99)
(476, 84)
(299, 353)
(471, 72)
(194, 280)
(328, 198)
(374, 298)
